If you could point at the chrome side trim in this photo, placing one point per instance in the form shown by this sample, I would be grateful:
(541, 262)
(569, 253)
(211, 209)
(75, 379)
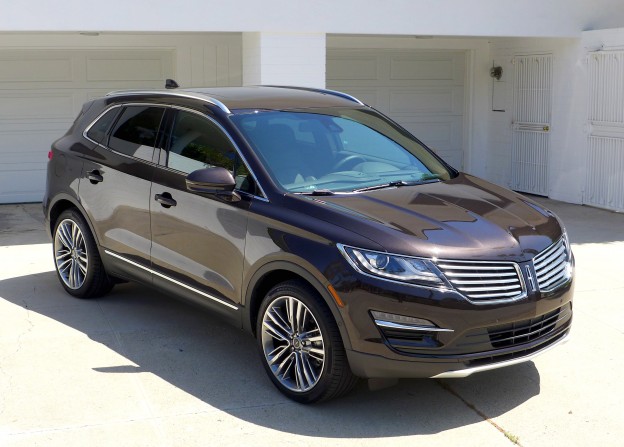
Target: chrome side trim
(468, 371)
(320, 90)
(183, 94)
(410, 327)
(181, 284)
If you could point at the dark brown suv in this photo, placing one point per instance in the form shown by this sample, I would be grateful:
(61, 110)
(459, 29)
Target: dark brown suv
(310, 220)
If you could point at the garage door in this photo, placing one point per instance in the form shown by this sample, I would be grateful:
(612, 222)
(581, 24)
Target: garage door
(421, 90)
(41, 92)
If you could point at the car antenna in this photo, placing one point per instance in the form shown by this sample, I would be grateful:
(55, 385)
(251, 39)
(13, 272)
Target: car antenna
(171, 84)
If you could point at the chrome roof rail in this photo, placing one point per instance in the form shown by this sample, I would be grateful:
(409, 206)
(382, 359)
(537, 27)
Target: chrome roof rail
(178, 93)
(321, 90)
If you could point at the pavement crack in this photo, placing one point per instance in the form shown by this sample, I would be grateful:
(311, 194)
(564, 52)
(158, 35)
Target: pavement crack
(510, 436)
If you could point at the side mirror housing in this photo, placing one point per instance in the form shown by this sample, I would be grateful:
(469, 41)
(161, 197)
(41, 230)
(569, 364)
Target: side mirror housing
(213, 181)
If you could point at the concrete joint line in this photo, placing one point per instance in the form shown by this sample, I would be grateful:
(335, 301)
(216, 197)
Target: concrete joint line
(510, 436)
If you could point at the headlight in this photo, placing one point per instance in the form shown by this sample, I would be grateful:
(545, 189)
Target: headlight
(396, 268)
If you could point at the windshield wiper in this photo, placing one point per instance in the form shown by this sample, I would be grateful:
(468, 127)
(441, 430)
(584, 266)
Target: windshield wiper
(392, 184)
(317, 192)
(399, 183)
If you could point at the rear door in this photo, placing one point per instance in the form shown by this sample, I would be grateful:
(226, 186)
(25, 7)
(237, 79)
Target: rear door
(116, 183)
(198, 241)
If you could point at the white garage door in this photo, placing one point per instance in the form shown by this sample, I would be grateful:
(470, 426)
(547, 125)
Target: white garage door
(41, 93)
(421, 90)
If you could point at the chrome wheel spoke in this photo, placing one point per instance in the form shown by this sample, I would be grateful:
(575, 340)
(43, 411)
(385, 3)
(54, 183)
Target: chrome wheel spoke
(70, 254)
(293, 344)
(276, 332)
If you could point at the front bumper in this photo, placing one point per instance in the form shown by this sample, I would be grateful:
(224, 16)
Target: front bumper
(482, 337)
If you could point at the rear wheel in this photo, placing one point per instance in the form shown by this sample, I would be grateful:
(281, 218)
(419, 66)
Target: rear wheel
(300, 345)
(76, 258)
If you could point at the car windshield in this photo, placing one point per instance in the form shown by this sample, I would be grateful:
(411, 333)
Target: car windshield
(337, 150)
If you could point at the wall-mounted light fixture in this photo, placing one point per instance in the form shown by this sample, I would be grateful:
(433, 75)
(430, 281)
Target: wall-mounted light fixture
(496, 72)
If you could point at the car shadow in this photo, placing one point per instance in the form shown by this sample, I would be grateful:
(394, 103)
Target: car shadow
(219, 365)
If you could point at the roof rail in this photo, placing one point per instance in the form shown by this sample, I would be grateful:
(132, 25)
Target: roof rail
(182, 93)
(322, 90)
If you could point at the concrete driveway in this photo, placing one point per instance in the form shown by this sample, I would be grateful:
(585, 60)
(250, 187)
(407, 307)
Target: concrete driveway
(138, 368)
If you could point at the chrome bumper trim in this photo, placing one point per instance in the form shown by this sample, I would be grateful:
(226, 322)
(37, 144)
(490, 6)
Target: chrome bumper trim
(468, 371)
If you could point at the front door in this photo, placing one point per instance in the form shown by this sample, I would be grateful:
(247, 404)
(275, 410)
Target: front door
(198, 241)
(531, 123)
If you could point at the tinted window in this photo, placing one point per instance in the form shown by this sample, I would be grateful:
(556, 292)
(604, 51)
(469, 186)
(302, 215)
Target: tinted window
(136, 130)
(101, 126)
(197, 143)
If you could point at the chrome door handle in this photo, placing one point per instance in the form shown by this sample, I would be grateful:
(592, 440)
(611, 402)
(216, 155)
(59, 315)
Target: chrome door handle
(95, 176)
(165, 200)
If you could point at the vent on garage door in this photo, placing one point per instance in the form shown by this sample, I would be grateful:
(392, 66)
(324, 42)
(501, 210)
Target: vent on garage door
(531, 123)
(605, 149)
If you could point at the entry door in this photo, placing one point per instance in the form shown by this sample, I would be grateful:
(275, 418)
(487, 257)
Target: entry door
(531, 123)
(605, 149)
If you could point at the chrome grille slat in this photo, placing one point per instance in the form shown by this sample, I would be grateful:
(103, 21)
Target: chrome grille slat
(483, 281)
(550, 265)
(477, 281)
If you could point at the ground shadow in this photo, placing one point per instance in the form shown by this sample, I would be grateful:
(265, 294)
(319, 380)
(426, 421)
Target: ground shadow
(219, 365)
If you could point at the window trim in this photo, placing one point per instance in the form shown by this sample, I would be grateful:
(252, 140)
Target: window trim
(157, 163)
(262, 197)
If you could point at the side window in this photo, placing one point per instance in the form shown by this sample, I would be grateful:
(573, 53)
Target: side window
(97, 132)
(136, 130)
(197, 143)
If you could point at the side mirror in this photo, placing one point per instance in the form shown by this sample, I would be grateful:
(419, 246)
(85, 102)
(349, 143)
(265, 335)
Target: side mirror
(213, 181)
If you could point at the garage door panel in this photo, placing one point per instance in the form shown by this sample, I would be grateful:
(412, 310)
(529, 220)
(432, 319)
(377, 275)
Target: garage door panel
(128, 66)
(439, 69)
(14, 147)
(437, 100)
(22, 185)
(36, 66)
(28, 105)
(350, 68)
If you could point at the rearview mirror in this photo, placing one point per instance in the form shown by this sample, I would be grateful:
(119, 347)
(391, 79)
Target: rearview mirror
(213, 181)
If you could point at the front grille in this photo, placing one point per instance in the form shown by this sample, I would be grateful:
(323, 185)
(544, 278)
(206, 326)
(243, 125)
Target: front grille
(551, 266)
(520, 332)
(483, 281)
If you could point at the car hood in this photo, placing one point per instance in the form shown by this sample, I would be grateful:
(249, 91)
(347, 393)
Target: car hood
(463, 218)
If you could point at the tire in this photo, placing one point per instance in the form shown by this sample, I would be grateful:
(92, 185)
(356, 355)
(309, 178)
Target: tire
(303, 356)
(76, 257)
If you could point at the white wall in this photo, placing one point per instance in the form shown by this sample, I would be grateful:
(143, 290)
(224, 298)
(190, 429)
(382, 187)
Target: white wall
(271, 58)
(568, 138)
(552, 18)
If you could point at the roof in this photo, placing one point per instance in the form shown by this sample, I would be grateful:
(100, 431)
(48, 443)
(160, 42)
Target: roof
(258, 97)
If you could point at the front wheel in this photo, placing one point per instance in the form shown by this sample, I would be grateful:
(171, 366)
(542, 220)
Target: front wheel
(76, 258)
(300, 345)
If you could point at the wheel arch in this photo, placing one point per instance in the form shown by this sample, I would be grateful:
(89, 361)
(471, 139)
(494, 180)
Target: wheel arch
(64, 202)
(276, 272)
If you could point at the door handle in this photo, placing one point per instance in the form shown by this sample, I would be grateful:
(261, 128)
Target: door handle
(95, 176)
(165, 200)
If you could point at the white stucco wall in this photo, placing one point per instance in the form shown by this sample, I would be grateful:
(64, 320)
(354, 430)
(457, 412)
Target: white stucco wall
(553, 18)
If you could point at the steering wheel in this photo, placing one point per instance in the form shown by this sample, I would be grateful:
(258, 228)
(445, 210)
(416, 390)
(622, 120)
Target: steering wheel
(348, 159)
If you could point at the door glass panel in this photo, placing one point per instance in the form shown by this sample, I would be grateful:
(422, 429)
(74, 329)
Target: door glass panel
(136, 130)
(197, 143)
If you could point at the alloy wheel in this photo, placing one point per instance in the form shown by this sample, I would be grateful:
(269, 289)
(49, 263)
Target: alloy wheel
(293, 345)
(70, 254)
